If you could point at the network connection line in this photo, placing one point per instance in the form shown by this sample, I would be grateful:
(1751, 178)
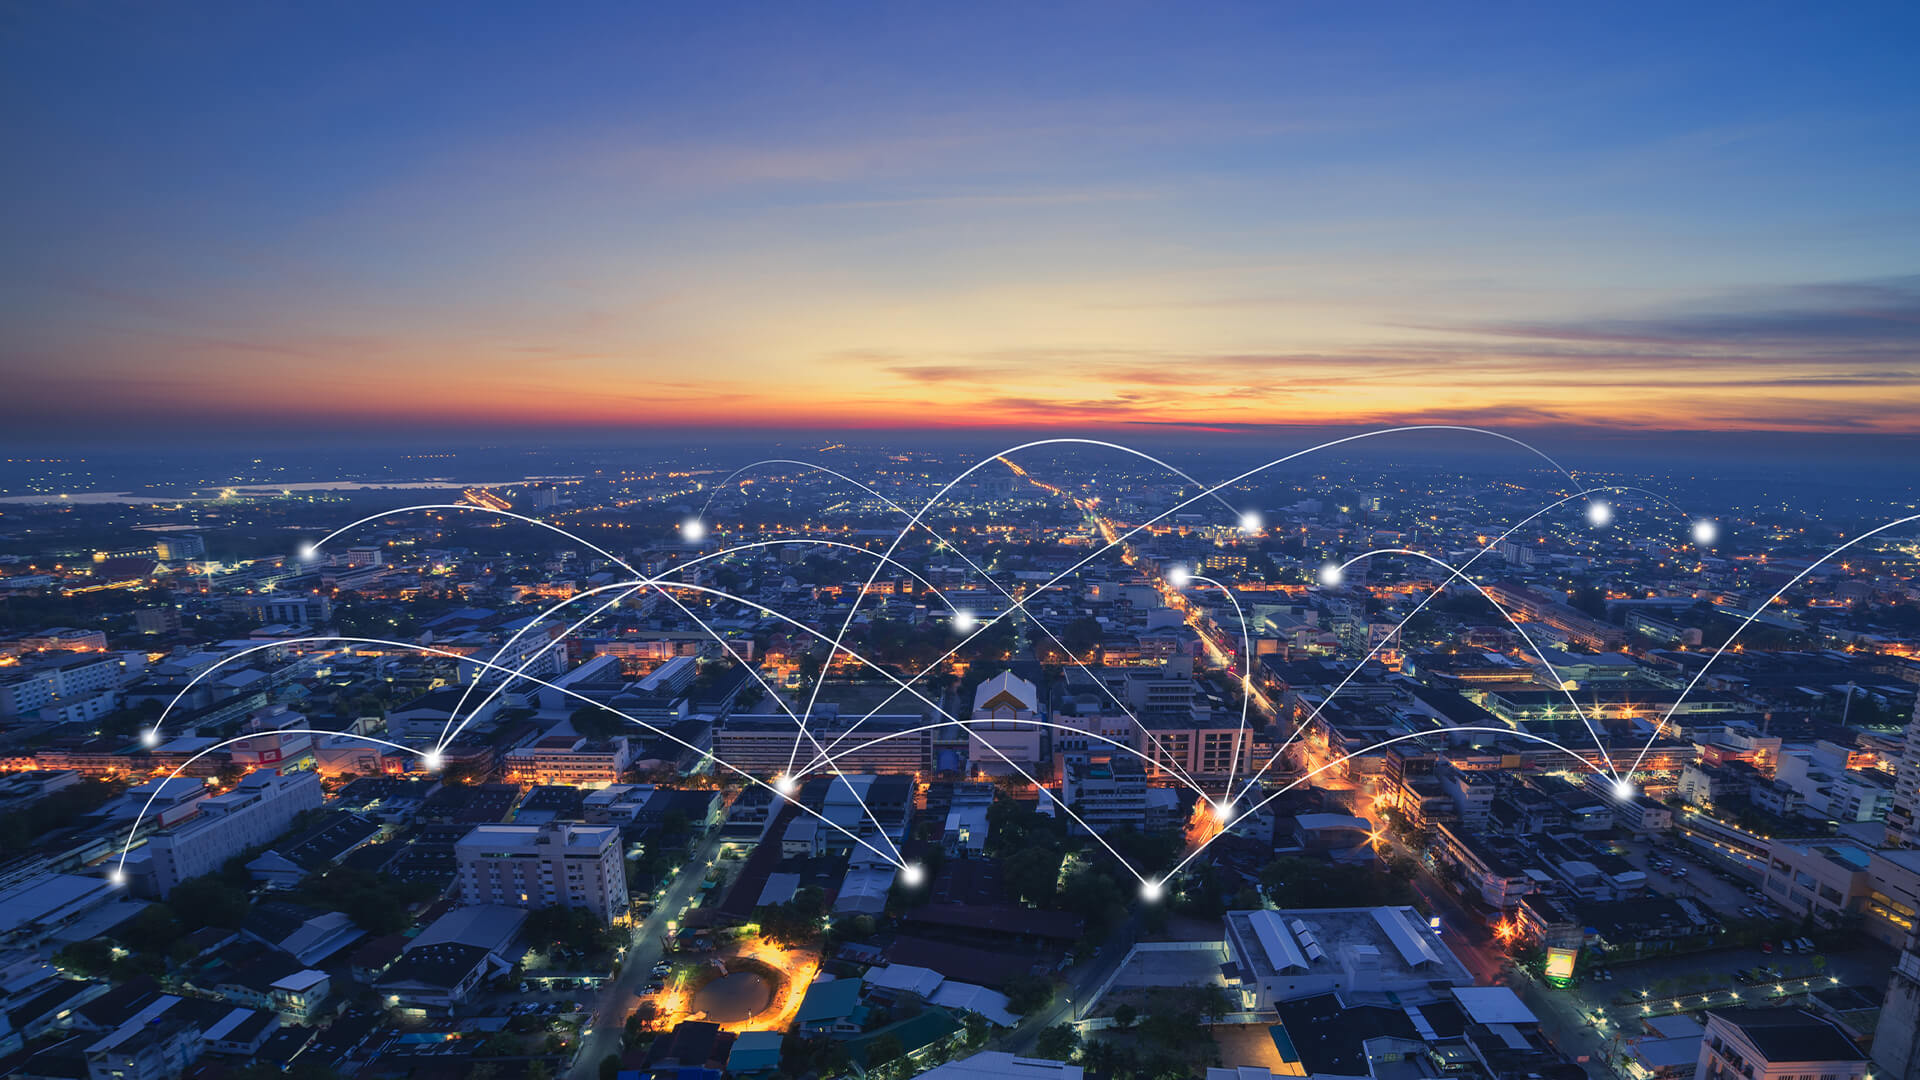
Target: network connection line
(1020, 604)
(1290, 785)
(1456, 575)
(312, 550)
(1211, 492)
(1246, 686)
(567, 691)
(120, 867)
(642, 582)
(950, 545)
(1421, 606)
(1757, 612)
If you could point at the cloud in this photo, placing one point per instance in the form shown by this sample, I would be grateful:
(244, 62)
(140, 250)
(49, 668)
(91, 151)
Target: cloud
(1843, 315)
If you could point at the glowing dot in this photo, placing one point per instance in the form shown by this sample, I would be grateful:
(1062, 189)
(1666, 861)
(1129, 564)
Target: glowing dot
(1223, 809)
(431, 760)
(1151, 891)
(118, 877)
(964, 622)
(1623, 790)
(784, 784)
(309, 552)
(1331, 575)
(693, 530)
(1599, 513)
(1179, 577)
(1705, 532)
(912, 874)
(1250, 522)
(150, 737)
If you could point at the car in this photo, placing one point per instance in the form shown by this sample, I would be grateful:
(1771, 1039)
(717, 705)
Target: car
(1806, 944)
(1682, 872)
(655, 987)
(1766, 947)
(525, 988)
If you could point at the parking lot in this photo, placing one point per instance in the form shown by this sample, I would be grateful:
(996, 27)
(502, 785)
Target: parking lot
(1681, 871)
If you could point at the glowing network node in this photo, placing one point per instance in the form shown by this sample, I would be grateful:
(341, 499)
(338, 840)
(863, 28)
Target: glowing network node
(1331, 575)
(118, 877)
(1179, 577)
(1705, 532)
(693, 530)
(1250, 522)
(912, 874)
(1152, 891)
(150, 738)
(431, 760)
(964, 622)
(784, 785)
(1599, 513)
(1223, 809)
(1623, 790)
(309, 552)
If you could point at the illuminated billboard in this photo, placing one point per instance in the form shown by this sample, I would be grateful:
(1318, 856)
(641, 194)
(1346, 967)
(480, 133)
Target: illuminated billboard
(1560, 965)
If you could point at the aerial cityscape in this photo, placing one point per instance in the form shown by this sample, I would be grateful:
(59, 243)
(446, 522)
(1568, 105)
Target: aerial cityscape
(1101, 543)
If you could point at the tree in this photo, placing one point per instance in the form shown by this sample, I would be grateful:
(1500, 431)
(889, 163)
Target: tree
(884, 1048)
(796, 922)
(1028, 993)
(1057, 1042)
(1031, 874)
(610, 1067)
(1125, 1016)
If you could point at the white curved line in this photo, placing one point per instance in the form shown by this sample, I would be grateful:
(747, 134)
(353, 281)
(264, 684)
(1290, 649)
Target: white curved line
(1757, 612)
(1176, 508)
(1511, 621)
(134, 832)
(669, 736)
(1417, 608)
(984, 576)
(643, 581)
(1245, 814)
(1246, 676)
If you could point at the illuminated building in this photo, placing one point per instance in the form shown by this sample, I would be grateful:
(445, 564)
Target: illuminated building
(252, 815)
(525, 866)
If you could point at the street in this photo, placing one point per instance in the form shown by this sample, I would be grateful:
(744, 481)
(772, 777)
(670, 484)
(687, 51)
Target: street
(620, 997)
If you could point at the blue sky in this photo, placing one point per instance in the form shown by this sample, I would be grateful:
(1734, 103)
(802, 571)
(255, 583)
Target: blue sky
(1099, 214)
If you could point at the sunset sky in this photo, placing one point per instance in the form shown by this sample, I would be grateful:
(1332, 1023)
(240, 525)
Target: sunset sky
(1087, 217)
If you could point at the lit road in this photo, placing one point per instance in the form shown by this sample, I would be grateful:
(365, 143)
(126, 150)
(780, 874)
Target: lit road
(622, 996)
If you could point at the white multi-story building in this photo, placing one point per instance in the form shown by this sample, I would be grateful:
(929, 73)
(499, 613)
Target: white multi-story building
(63, 684)
(1003, 734)
(1775, 1043)
(260, 808)
(572, 760)
(1903, 816)
(552, 865)
(764, 744)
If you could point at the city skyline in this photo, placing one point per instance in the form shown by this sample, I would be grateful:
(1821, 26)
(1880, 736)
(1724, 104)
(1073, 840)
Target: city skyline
(1091, 218)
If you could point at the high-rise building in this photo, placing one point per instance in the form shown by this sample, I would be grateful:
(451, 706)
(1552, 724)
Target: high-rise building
(1903, 817)
(1896, 1041)
(551, 865)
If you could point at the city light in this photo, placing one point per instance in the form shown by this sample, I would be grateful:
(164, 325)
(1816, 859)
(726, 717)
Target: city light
(1623, 790)
(1151, 891)
(431, 761)
(912, 874)
(1251, 522)
(117, 878)
(150, 738)
(784, 784)
(309, 552)
(964, 622)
